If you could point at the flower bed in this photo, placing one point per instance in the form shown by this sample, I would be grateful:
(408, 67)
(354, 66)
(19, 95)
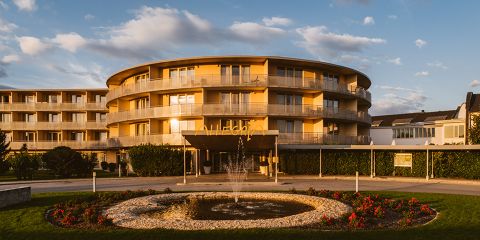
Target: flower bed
(368, 211)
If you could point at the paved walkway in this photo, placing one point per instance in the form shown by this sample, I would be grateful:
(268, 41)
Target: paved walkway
(255, 182)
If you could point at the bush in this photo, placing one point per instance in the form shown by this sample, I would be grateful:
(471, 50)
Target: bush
(157, 160)
(65, 162)
(104, 166)
(123, 167)
(112, 167)
(4, 166)
(24, 165)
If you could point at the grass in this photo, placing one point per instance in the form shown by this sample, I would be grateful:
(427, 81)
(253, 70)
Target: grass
(459, 219)
(48, 175)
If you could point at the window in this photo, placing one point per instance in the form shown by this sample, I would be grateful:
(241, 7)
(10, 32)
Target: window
(173, 74)
(455, 131)
(177, 126)
(30, 99)
(100, 98)
(331, 129)
(234, 74)
(141, 103)
(330, 105)
(100, 136)
(77, 136)
(285, 99)
(30, 117)
(78, 117)
(30, 136)
(414, 132)
(331, 80)
(77, 98)
(141, 129)
(245, 73)
(52, 98)
(53, 117)
(100, 117)
(290, 126)
(182, 99)
(5, 117)
(4, 99)
(53, 136)
(191, 74)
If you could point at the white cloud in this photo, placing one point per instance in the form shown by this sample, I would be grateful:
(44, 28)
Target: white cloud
(89, 17)
(420, 43)
(422, 74)
(6, 26)
(368, 20)
(393, 17)
(92, 74)
(69, 41)
(437, 64)
(32, 45)
(398, 100)
(11, 58)
(396, 61)
(255, 32)
(475, 83)
(276, 21)
(25, 5)
(3, 5)
(319, 41)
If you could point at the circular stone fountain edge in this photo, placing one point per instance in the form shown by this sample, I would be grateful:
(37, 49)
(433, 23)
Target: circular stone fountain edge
(129, 213)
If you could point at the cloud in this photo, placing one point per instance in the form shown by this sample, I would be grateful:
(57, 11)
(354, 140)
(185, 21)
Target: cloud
(11, 58)
(6, 26)
(422, 74)
(32, 45)
(89, 17)
(3, 5)
(475, 83)
(437, 64)
(69, 41)
(368, 20)
(396, 61)
(398, 100)
(319, 41)
(393, 17)
(25, 5)
(420, 43)
(255, 32)
(276, 21)
(93, 73)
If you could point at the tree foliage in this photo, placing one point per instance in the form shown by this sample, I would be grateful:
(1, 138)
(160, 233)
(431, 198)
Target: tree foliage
(4, 151)
(156, 160)
(474, 131)
(66, 162)
(24, 164)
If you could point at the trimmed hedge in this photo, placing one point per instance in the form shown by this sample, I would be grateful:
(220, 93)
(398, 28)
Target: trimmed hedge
(447, 164)
(157, 160)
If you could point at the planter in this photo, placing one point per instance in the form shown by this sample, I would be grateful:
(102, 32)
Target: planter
(207, 169)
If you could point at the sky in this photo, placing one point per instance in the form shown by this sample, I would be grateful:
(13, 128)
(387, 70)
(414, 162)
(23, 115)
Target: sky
(419, 55)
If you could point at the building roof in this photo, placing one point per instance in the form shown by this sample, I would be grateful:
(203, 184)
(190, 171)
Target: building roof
(473, 102)
(412, 118)
(119, 76)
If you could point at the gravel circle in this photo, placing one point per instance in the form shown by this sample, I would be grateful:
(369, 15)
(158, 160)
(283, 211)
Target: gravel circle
(130, 213)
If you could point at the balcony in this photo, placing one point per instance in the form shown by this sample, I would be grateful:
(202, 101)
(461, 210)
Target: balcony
(46, 145)
(36, 126)
(321, 138)
(43, 106)
(208, 81)
(129, 141)
(247, 110)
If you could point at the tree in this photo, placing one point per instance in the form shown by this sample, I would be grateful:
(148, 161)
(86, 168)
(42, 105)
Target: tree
(474, 131)
(4, 151)
(156, 160)
(24, 164)
(65, 162)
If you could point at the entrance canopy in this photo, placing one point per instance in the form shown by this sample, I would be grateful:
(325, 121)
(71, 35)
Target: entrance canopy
(225, 141)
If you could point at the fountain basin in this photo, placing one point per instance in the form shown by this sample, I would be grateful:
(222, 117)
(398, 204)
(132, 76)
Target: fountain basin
(168, 211)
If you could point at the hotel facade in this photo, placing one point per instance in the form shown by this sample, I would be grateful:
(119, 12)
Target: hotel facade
(299, 102)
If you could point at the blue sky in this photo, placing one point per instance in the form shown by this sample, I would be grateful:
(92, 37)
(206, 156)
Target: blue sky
(420, 55)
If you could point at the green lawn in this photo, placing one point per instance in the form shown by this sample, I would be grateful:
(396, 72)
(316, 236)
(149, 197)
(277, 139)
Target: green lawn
(459, 219)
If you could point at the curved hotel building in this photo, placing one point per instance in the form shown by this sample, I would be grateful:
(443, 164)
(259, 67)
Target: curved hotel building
(301, 101)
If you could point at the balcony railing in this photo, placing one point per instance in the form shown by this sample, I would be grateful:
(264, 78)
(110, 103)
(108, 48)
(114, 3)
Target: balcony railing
(43, 106)
(45, 145)
(128, 141)
(258, 80)
(17, 125)
(251, 109)
(321, 138)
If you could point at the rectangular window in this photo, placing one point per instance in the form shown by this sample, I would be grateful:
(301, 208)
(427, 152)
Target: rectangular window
(54, 117)
(183, 76)
(77, 136)
(173, 74)
(449, 132)
(30, 136)
(191, 74)
(177, 126)
(235, 74)
(245, 73)
(4, 99)
(29, 117)
(281, 71)
(331, 129)
(53, 136)
(78, 117)
(30, 99)
(225, 74)
(461, 131)
(141, 129)
(100, 117)
(142, 103)
(53, 98)
(330, 105)
(5, 117)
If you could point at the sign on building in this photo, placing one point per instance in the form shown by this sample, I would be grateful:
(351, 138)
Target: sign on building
(403, 160)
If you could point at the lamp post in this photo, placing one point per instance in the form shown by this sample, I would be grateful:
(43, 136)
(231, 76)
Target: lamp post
(320, 165)
(184, 162)
(426, 145)
(371, 159)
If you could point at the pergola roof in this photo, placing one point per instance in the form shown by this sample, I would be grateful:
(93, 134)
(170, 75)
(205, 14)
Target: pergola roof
(227, 141)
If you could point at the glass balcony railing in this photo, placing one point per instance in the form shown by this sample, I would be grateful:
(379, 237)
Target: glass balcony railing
(150, 85)
(321, 138)
(35, 126)
(43, 106)
(45, 145)
(251, 109)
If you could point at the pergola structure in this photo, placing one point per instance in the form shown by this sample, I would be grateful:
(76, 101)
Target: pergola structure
(227, 141)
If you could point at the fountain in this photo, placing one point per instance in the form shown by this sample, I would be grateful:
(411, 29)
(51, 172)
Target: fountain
(237, 169)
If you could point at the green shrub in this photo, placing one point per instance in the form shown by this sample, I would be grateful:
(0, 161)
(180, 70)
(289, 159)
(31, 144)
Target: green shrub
(65, 162)
(112, 167)
(447, 164)
(156, 160)
(24, 164)
(4, 166)
(104, 166)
